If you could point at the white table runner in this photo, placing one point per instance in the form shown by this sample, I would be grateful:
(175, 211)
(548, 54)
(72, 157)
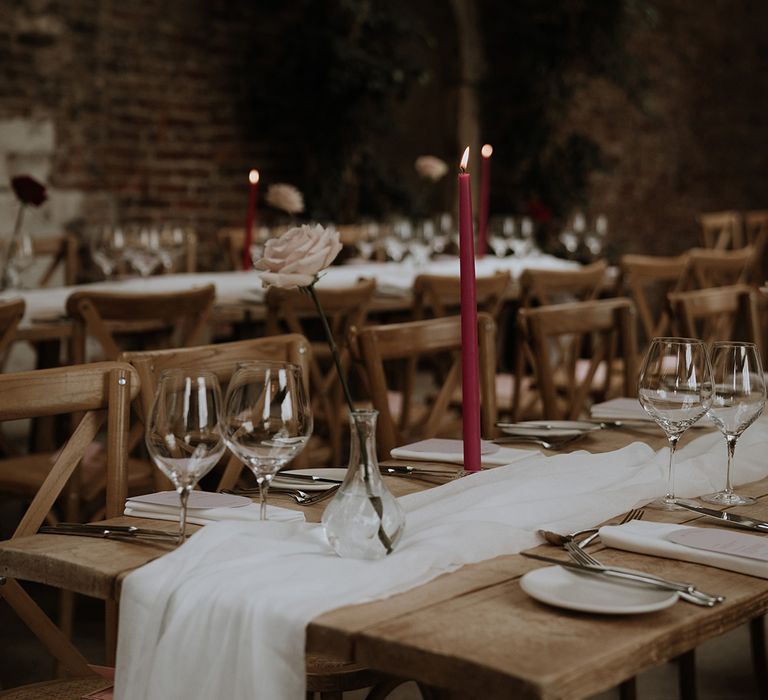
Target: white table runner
(225, 615)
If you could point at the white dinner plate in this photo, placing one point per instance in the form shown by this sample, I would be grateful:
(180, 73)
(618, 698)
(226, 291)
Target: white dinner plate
(552, 429)
(557, 586)
(306, 485)
(197, 499)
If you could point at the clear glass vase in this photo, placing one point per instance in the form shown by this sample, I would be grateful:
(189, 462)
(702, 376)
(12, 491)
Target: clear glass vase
(364, 520)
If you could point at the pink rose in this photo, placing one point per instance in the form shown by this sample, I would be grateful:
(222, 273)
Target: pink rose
(295, 258)
(285, 197)
(430, 167)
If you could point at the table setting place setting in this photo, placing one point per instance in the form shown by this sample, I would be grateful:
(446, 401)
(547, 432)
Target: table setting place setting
(243, 590)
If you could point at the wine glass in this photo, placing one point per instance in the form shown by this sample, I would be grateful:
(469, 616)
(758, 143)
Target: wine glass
(738, 398)
(267, 419)
(183, 435)
(675, 389)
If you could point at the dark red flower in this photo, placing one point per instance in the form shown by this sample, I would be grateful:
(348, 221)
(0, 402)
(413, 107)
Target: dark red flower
(538, 211)
(29, 190)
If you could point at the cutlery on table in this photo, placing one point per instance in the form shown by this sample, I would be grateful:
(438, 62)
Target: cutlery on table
(417, 471)
(741, 521)
(692, 593)
(284, 476)
(559, 540)
(301, 497)
(548, 444)
(120, 532)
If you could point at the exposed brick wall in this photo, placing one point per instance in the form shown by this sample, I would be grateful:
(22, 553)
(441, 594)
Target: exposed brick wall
(138, 110)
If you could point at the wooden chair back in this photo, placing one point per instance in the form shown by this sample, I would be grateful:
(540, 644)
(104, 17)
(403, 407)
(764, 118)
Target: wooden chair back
(722, 230)
(719, 268)
(719, 313)
(375, 347)
(221, 359)
(11, 313)
(64, 252)
(647, 279)
(756, 232)
(101, 393)
(606, 327)
(543, 287)
(293, 311)
(180, 317)
(555, 286)
(440, 295)
(232, 240)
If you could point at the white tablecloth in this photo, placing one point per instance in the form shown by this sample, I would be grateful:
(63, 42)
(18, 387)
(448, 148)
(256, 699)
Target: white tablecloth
(225, 615)
(232, 287)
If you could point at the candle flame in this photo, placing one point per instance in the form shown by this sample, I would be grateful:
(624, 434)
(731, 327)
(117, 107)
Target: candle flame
(253, 177)
(487, 151)
(464, 160)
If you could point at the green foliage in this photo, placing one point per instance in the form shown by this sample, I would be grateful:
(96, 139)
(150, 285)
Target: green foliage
(537, 53)
(336, 70)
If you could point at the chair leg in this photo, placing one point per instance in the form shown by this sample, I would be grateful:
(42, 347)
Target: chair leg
(687, 675)
(757, 643)
(628, 689)
(381, 691)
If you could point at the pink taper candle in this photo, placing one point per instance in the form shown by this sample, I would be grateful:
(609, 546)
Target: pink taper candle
(253, 191)
(485, 193)
(470, 373)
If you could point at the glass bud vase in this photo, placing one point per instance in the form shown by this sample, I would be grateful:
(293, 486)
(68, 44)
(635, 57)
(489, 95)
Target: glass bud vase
(364, 520)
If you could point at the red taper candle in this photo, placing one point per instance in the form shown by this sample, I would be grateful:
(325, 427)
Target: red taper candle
(485, 193)
(470, 371)
(253, 191)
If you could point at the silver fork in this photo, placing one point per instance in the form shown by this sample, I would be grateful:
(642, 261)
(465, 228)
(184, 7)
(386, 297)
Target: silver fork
(301, 497)
(686, 591)
(634, 514)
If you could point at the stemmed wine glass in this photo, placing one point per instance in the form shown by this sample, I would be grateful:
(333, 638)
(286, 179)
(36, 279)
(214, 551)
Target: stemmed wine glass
(738, 398)
(675, 389)
(183, 435)
(267, 419)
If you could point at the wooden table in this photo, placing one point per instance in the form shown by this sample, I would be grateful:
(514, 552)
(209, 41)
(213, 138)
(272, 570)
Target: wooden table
(473, 631)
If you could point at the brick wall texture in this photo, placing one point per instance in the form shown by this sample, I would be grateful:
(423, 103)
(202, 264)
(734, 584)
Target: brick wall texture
(148, 100)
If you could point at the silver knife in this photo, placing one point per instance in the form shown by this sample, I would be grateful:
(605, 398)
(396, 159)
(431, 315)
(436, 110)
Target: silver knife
(417, 472)
(111, 533)
(730, 518)
(125, 529)
(701, 598)
(307, 477)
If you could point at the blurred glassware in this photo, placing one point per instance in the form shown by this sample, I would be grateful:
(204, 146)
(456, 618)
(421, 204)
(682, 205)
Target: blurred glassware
(21, 256)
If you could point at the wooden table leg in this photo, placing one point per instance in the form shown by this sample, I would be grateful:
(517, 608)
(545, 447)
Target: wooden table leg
(757, 642)
(687, 677)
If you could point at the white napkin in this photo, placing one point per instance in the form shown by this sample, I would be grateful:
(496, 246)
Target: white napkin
(618, 408)
(205, 516)
(454, 453)
(649, 538)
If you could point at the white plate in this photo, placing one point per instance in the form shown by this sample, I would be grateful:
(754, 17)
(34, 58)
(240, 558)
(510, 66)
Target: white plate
(551, 429)
(306, 485)
(197, 499)
(557, 586)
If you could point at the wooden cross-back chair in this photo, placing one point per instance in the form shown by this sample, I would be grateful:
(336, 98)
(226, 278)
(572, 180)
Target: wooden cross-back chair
(180, 317)
(376, 347)
(440, 295)
(719, 268)
(101, 393)
(647, 279)
(63, 251)
(232, 240)
(606, 327)
(722, 230)
(756, 232)
(293, 311)
(11, 313)
(222, 359)
(544, 287)
(719, 313)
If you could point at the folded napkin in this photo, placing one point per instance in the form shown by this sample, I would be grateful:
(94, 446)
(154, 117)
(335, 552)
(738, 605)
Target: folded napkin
(204, 516)
(452, 451)
(651, 538)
